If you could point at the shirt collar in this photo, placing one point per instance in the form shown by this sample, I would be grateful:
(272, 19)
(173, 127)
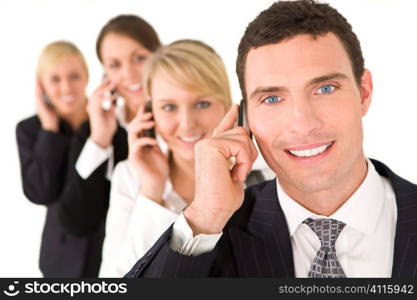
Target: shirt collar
(361, 211)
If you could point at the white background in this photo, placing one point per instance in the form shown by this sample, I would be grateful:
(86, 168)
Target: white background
(386, 29)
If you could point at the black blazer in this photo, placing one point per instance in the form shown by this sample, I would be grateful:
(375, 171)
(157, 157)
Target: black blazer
(43, 161)
(73, 233)
(84, 202)
(256, 240)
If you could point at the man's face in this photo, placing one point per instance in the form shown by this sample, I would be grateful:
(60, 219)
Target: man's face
(305, 110)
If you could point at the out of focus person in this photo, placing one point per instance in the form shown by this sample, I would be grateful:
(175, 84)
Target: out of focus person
(189, 90)
(43, 141)
(123, 45)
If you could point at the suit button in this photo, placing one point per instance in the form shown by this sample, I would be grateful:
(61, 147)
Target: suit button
(136, 272)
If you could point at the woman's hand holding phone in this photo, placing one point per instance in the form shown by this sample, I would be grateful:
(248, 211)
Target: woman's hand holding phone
(46, 113)
(103, 123)
(145, 155)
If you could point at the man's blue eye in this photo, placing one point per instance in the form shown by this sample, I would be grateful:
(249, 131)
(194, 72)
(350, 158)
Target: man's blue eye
(272, 99)
(326, 89)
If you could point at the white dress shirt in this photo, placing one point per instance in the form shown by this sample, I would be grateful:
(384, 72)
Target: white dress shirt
(92, 155)
(134, 222)
(365, 247)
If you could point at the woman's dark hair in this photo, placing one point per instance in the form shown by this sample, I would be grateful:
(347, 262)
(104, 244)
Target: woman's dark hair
(133, 27)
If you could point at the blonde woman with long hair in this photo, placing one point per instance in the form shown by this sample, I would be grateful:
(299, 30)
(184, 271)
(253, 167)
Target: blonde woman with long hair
(44, 143)
(189, 91)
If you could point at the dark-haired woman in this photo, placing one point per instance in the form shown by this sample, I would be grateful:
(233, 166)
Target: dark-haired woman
(122, 46)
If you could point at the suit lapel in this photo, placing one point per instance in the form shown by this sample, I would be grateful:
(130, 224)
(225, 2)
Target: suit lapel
(405, 244)
(263, 248)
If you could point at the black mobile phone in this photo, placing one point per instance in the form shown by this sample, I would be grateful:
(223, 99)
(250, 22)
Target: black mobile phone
(149, 132)
(242, 118)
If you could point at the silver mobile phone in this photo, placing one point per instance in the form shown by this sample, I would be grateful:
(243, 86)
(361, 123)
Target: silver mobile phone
(47, 100)
(112, 100)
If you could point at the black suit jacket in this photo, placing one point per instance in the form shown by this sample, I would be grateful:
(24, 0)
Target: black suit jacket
(43, 161)
(84, 202)
(73, 233)
(256, 240)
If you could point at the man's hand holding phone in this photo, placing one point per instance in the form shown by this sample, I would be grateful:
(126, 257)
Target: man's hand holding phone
(46, 113)
(219, 190)
(103, 123)
(145, 155)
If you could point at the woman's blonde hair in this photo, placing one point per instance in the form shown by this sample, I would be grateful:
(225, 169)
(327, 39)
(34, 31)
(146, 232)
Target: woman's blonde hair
(193, 65)
(54, 52)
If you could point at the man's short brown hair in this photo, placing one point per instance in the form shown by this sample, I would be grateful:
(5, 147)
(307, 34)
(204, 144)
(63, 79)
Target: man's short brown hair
(286, 19)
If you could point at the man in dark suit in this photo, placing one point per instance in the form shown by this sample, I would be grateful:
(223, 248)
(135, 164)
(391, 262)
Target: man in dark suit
(331, 212)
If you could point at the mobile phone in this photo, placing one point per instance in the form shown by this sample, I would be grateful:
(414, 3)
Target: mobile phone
(149, 132)
(45, 96)
(242, 118)
(46, 99)
(113, 99)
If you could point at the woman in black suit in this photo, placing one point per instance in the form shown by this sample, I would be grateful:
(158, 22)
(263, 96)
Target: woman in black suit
(43, 142)
(122, 46)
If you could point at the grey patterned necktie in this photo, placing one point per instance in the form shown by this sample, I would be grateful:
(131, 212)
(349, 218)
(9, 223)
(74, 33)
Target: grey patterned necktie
(325, 263)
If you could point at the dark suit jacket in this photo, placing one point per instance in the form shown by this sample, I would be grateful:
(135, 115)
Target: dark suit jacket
(49, 177)
(256, 240)
(44, 160)
(84, 202)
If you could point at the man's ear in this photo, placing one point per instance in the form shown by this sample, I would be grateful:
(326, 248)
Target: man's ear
(366, 91)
